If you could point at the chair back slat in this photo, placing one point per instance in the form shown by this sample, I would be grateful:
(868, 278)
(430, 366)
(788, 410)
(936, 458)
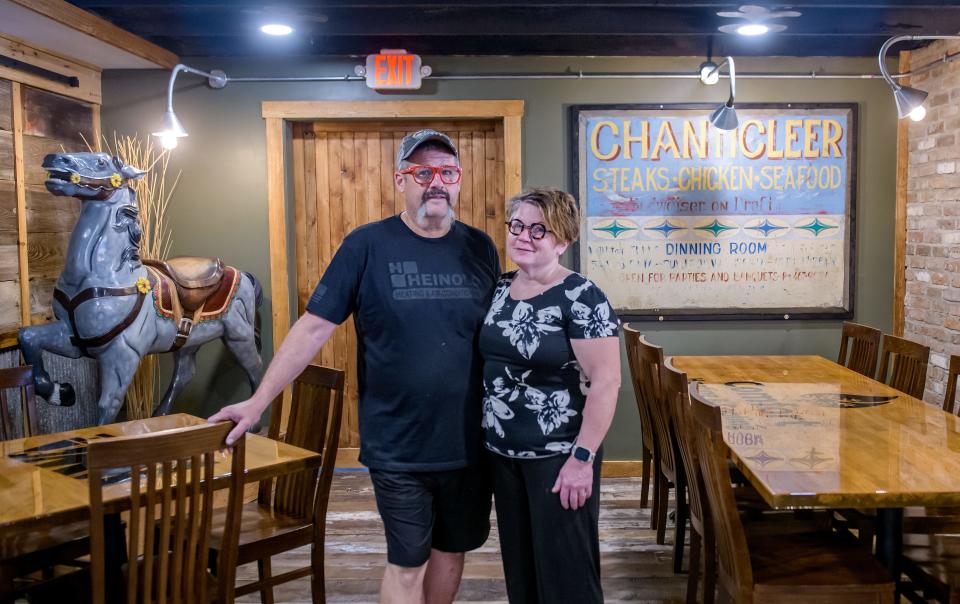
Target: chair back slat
(6, 421)
(177, 471)
(163, 556)
(735, 571)
(859, 346)
(314, 424)
(18, 379)
(677, 395)
(133, 542)
(632, 338)
(193, 538)
(950, 395)
(903, 365)
(645, 362)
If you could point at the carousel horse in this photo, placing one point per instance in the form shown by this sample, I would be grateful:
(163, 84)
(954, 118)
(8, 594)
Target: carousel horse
(116, 308)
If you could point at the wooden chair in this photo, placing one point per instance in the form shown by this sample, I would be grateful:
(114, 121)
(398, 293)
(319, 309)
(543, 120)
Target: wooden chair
(57, 546)
(21, 378)
(931, 535)
(950, 396)
(931, 563)
(648, 437)
(171, 472)
(677, 395)
(863, 343)
(930, 556)
(816, 566)
(903, 365)
(645, 363)
(294, 514)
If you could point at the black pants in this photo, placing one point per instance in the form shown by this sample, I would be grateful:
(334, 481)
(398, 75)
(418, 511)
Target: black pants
(550, 555)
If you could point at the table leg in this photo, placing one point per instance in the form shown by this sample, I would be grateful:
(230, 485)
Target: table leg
(115, 556)
(890, 540)
(6, 584)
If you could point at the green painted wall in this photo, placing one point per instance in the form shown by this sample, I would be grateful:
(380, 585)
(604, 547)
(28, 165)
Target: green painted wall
(220, 206)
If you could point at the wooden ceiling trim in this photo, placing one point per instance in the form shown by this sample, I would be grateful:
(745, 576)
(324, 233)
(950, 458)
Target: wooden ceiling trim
(101, 29)
(319, 110)
(87, 75)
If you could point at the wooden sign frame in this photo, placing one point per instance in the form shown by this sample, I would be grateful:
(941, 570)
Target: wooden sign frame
(672, 300)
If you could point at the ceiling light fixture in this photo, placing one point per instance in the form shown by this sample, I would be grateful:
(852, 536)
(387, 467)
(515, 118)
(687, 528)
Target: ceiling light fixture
(753, 29)
(725, 117)
(276, 29)
(172, 130)
(909, 100)
(757, 20)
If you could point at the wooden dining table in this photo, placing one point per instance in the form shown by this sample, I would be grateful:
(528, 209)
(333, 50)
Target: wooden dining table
(810, 433)
(43, 479)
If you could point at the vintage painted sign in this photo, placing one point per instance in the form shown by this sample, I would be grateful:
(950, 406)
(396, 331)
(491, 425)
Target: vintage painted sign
(681, 219)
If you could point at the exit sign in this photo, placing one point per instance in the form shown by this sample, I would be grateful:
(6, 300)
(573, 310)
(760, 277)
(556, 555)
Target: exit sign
(394, 70)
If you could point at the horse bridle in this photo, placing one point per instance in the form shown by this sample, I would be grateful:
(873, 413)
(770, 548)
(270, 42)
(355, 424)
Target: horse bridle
(70, 305)
(103, 183)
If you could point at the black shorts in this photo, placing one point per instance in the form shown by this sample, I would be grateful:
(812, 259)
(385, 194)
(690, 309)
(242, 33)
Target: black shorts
(448, 511)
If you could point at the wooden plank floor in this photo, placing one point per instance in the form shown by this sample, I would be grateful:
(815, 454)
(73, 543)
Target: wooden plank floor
(634, 567)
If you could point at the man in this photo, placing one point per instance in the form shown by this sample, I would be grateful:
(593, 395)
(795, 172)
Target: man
(418, 285)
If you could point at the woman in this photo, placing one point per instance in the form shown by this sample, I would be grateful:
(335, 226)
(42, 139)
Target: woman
(551, 374)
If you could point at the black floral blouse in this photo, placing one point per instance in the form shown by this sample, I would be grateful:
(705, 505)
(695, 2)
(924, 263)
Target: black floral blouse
(534, 390)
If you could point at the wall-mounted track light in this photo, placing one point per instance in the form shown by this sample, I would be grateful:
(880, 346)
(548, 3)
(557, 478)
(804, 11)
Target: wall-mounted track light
(725, 117)
(909, 100)
(173, 130)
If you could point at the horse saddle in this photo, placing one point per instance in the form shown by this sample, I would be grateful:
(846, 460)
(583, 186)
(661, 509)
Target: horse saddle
(199, 289)
(195, 278)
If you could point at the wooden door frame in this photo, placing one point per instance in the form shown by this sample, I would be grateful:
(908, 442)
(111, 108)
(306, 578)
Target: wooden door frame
(277, 114)
(900, 214)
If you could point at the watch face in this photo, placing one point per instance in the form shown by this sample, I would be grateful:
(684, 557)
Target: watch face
(581, 454)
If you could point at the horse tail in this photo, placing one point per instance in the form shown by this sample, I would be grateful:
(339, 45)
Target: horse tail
(258, 301)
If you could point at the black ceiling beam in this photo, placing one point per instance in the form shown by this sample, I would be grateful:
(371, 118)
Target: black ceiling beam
(457, 20)
(531, 27)
(521, 46)
(693, 5)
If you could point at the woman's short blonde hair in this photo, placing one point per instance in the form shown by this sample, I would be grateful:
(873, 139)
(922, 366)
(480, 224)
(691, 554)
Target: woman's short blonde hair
(560, 212)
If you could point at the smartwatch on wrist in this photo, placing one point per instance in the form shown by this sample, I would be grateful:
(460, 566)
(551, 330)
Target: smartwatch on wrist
(582, 454)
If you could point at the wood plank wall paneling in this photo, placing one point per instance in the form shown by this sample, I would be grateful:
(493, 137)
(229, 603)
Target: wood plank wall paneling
(344, 177)
(6, 153)
(33, 123)
(9, 261)
(52, 116)
(51, 124)
(6, 110)
(21, 196)
(47, 213)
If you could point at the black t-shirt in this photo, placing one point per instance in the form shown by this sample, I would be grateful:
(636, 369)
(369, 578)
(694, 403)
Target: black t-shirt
(534, 390)
(418, 304)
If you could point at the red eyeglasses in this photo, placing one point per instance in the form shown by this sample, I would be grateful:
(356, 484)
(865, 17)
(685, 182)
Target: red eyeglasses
(424, 175)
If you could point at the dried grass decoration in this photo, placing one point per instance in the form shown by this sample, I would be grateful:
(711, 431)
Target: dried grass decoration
(153, 191)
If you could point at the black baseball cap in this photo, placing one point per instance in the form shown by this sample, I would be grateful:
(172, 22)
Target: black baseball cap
(410, 142)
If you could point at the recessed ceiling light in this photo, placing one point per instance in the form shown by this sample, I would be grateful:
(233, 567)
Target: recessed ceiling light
(752, 29)
(755, 20)
(276, 29)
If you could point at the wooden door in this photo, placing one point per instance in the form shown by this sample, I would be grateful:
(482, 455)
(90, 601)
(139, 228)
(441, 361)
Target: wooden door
(343, 178)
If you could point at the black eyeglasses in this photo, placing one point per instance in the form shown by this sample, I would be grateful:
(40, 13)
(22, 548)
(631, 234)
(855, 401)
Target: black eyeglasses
(537, 230)
(424, 175)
